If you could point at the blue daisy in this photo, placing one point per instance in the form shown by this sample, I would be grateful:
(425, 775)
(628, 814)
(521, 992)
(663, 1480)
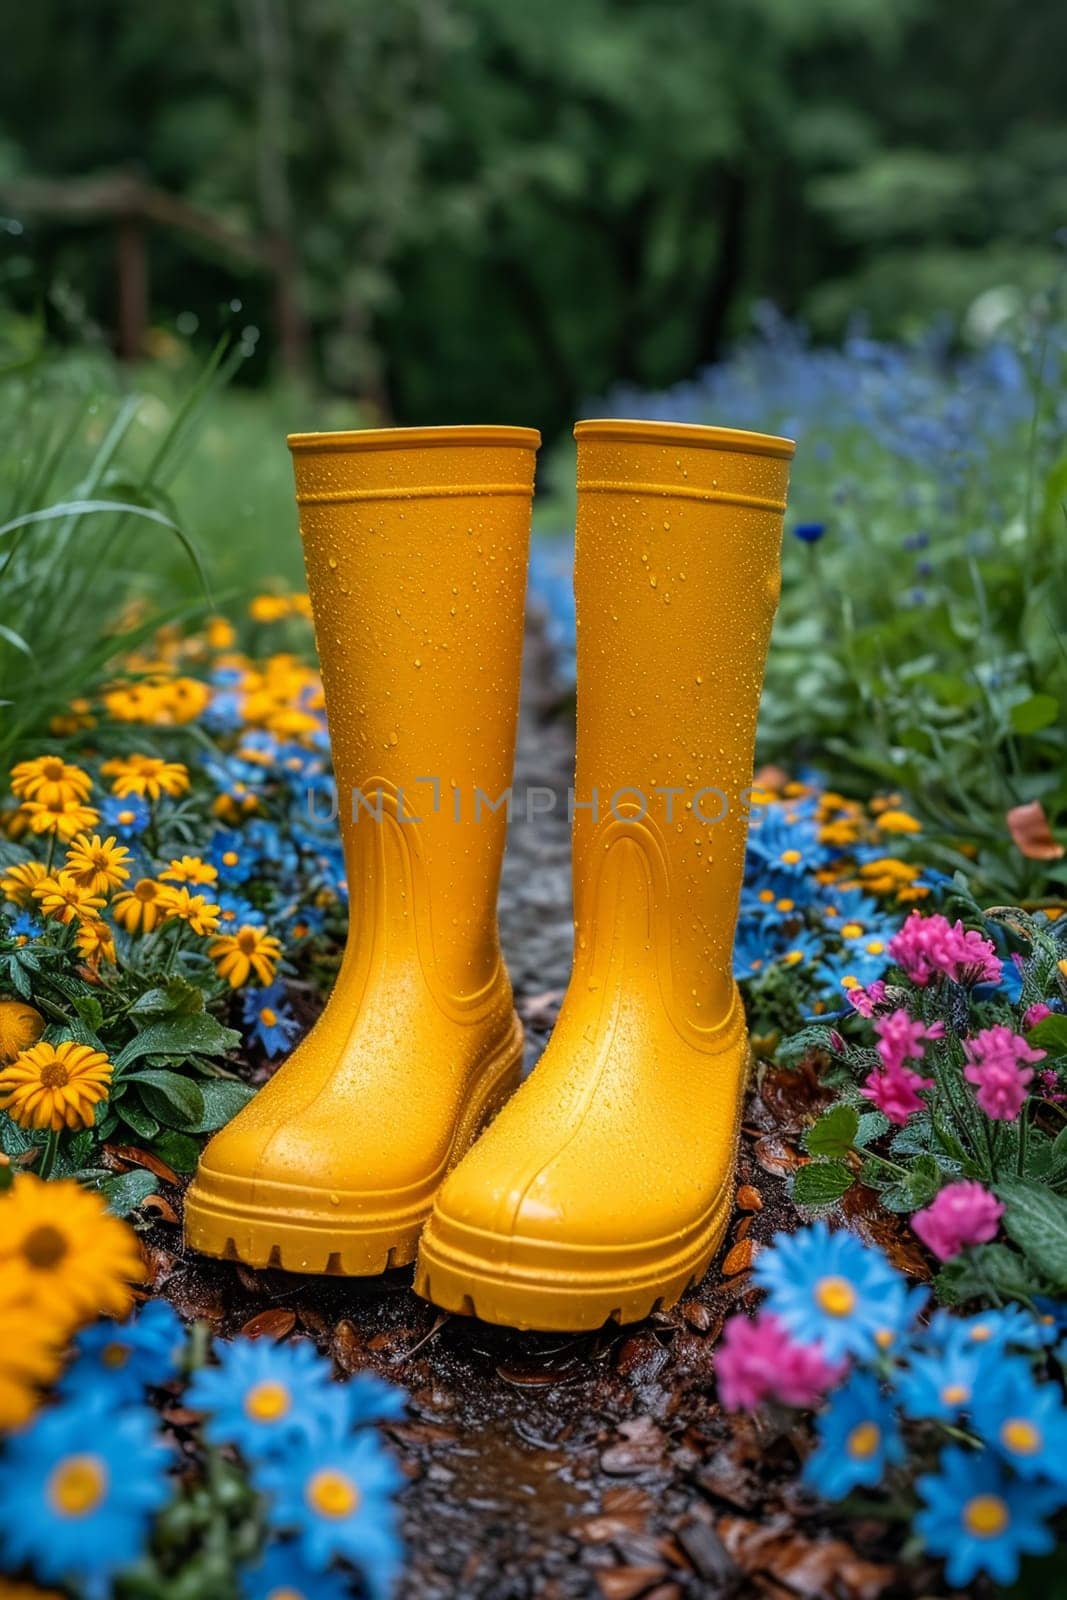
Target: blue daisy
(827, 1287)
(981, 1519)
(125, 1358)
(79, 1489)
(25, 927)
(944, 1382)
(336, 1498)
(264, 1398)
(859, 1438)
(268, 1019)
(128, 818)
(282, 1571)
(231, 854)
(1024, 1421)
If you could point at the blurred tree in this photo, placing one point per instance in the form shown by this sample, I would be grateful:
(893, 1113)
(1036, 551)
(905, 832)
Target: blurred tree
(475, 208)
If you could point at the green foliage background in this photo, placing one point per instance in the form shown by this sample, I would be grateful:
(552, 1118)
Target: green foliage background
(494, 210)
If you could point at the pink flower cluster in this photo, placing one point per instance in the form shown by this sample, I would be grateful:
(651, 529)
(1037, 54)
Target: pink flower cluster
(865, 1001)
(930, 947)
(999, 1064)
(894, 1089)
(959, 1215)
(758, 1361)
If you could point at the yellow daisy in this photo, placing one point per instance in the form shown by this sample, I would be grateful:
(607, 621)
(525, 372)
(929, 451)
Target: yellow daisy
(76, 1261)
(190, 869)
(96, 942)
(98, 864)
(197, 910)
(20, 1026)
(897, 821)
(55, 1086)
(19, 881)
(29, 1358)
(220, 634)
(64, 818)
(139, 909)
(250, 951)
(62, 898)
(268, 608)
(149, 776)
(185, 698)
(49, 778)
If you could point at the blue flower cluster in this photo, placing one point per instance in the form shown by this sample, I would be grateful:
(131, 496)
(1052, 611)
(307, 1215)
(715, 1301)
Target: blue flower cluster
(82, 1484)
(975, 1388)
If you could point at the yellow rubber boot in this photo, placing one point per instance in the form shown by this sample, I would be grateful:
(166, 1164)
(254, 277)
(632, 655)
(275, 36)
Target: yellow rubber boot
(416, 544)
(605, 1185)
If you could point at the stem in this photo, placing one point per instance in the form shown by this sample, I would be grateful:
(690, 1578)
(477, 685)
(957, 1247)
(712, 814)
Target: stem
(50, 1150)
(51, 851)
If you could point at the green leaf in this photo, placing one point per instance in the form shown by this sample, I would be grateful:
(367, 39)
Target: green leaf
(199, 1034)
(835, 1132)
(923, 1181)
(1036, 1219)
(988, 1272)
(168, 1096)
(125, 1191)
(872, 1125)
(820, 1183)
(90, 1010)
(223, 1099)
(179, 998)
(1050, 1035)
(178, 1150)
(141, 1121)
(1039, 711)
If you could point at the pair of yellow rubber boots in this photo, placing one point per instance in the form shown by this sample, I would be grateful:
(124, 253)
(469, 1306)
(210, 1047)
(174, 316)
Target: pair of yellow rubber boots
(604, 1185)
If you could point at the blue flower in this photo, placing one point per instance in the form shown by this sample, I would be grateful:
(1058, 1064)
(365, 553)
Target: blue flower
(125, 1358)
(1024, 1421)
(127, 818)
(369, 1398)
(79, 1488)
(264, 1398)
(335, 1497)
(981, 1519)
(858, 1439)
(25, 927)
(1008, 1326)
(283, 1572)
(268, 1018)
(809, 532)
(943, 1383)
(827, 1287)
(230, 853)
(751, 952)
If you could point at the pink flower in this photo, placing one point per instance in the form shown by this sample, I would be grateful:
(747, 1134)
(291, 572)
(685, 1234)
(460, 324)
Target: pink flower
(1035, 1014)
(866, 1001)
(999, 1065)
(960, 1214)
(901, 1040)
(895, 1091)
(757, 1360)
(928, 947)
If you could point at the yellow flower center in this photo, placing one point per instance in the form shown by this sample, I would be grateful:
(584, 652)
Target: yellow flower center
(766, 895)
(115, 1355)
(267, 1401)
(285, 1593)
(1020, 1436)
(126, 817)
(851, 930)
(791, 857)
(230, 858)
(875, 947)
(985, 1516)
(835, 1296)
(268, 1017)
(54, 1076)
(884, 1338)
(784, 905)
(864, 1440)
(145, 890)
(52, 769)
(247, 940)
(955, 1394)
(981, 1332)
(332, 1494)
(77, 1485)
(44, 1246)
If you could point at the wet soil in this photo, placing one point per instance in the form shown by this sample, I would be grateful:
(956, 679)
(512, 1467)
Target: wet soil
(598, 1466)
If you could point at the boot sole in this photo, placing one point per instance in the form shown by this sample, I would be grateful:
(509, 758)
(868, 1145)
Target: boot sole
(354, 1235)
(569, 1292)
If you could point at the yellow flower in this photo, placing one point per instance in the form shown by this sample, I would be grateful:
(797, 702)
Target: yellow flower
(139, 909)
(897, 821)
(64, 818)
(887, 875)
(98, 864)
(251, 950)
(185, 698)
(133, 702)
(190, 869)
(63, 898)
(74, 1260)
(268, 608)
(55, 1086)
(18, 882)
(149, 776)
(220, 634)
(29, 1357)
(20, 1025)
(49, 778)
(96, 943)
(197, 910)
